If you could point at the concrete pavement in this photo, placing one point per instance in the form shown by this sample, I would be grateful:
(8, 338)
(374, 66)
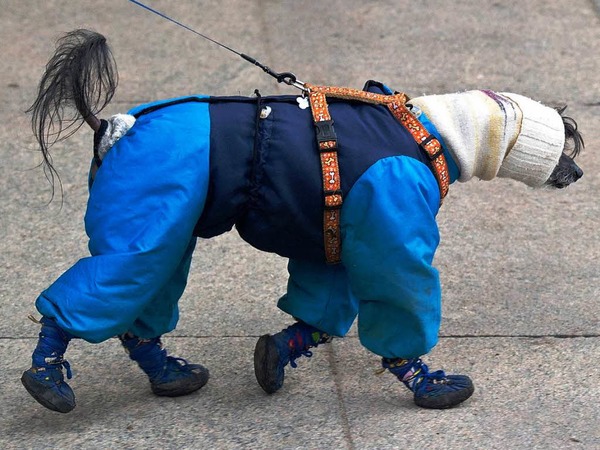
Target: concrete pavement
(520, 269)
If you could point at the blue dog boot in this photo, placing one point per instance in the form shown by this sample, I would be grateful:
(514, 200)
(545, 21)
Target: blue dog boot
(273, 353)
(169, 376)
(434, 390)
(45, 381)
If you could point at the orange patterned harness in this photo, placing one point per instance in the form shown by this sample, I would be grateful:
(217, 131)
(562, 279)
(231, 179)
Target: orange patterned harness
(328, 147)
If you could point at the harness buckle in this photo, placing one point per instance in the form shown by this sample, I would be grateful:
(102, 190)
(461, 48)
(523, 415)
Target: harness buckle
(325, 131)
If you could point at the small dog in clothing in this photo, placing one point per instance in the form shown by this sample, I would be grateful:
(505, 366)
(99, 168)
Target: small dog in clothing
(171, 171)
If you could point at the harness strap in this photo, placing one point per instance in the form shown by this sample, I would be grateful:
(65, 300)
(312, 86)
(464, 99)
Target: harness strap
(427, 142)
(330, 170)
(328, 146)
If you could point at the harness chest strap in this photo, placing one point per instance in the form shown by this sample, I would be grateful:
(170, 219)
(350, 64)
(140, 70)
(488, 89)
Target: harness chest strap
(327, 142)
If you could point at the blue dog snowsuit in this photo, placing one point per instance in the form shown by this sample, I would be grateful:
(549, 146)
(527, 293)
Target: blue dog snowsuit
(196, 166)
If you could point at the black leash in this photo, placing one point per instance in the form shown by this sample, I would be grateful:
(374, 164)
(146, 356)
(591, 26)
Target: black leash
(281, 77)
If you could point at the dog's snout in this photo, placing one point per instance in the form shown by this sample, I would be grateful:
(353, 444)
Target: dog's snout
(575, 170)
(565, 173)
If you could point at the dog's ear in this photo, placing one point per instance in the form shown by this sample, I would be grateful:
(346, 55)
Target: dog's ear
(573, 139)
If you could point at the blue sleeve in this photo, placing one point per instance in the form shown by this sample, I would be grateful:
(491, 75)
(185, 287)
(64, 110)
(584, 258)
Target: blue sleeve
(143, 206)
(389, 238)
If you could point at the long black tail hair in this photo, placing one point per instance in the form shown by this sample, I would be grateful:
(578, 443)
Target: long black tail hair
(79, 81)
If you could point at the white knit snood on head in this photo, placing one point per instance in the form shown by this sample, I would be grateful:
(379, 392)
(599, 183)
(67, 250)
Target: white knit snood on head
(497, 134)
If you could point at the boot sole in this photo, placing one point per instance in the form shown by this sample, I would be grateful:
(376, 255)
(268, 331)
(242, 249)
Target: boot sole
(44, 396)
(181, 387)
(266, 359)
(445, 401)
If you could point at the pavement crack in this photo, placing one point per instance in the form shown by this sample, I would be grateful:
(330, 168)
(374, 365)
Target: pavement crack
(347, 430)
(444, 336)
(528, 336)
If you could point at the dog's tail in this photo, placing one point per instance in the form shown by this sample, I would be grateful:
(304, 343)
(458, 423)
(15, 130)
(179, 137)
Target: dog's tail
(79, 81)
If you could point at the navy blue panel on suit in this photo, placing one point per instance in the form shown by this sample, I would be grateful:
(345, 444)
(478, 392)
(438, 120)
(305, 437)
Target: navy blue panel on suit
(265, 174)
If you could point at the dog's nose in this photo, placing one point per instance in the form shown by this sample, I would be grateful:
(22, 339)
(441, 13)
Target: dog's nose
(578, 173)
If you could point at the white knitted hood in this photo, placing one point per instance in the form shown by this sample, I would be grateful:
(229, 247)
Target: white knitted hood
(497, 134)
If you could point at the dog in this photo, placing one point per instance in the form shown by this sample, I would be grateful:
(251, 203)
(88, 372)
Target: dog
(174, 170)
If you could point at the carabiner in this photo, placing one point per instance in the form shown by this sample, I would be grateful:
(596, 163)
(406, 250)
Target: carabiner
(290, 79)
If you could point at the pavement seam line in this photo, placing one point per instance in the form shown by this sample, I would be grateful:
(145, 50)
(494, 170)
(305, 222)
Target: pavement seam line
(447, 336)
(340, 396)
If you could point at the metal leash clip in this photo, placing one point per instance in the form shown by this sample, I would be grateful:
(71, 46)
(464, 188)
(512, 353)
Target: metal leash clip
(290, 79)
